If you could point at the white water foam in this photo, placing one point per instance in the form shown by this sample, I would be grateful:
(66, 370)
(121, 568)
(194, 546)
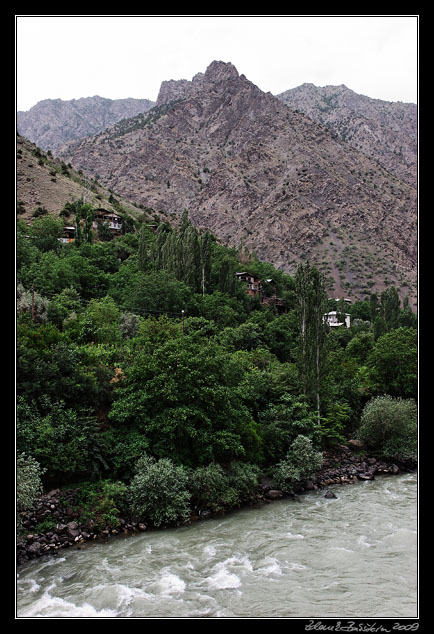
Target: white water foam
(48, 606)
(223, 579)
(271, 567)
(171, 583)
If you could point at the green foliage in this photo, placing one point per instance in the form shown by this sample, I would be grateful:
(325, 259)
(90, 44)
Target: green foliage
(210, 488)
(392, 364)
(246, 336)
(63, 305)
(101, 503)
(300, 463)
(282, 422)
(244, 478)
(158, 493)
(334, 422)
(312, 354)
(45, 233)
(29, 483)
(227, 382)
(388, 425)
(63, 441)
(28, 302)
(360, 346)
(185, 395)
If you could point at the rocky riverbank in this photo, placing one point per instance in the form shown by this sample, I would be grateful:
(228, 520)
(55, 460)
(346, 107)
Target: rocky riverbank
(55, 523)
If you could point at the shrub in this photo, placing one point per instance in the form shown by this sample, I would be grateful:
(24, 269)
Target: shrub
(101, 503)
(29, 484)
(158, 492)
(244, 478)
(301, 463)
(388, 425)
(282, 422)
(210, 488)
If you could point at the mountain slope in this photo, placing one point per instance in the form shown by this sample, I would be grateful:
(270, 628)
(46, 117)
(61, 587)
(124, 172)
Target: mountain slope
(259, 174)
(385, 131)
(43, 181)
(52, 122)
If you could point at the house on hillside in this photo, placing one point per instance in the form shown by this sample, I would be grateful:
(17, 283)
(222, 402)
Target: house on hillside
(253, 283)
(68, 235)
(112, 220)
(255, 287)
(333, 319)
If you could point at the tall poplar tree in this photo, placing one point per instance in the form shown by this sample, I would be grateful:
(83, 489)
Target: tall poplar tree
(312, 354)
(205, 258)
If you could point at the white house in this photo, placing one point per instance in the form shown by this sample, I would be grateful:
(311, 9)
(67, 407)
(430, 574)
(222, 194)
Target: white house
(332, 319)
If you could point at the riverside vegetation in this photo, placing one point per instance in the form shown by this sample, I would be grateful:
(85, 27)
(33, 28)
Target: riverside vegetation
(152, 387)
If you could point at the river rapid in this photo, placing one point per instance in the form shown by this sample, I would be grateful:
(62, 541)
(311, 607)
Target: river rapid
(355, 556)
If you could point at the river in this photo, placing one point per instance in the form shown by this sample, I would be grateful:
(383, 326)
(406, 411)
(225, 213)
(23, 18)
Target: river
(355, 556)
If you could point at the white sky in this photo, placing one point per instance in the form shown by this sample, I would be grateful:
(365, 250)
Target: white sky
(69, 57)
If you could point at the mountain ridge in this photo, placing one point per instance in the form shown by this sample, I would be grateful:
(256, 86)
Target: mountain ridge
(262, 175)
(52, 122)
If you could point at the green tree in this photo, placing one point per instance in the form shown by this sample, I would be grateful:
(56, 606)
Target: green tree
(158, 493)
(65, 442)
(45, 233)
(300, 463)
(282, 422)
(392, 364)
(388, 426)
(390, 305)
(186, 397)
(205, 257)
(311, 306)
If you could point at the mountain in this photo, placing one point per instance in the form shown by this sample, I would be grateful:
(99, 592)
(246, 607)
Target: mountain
(52, 122)
(383, 130)
(262, 176)
(46, 182)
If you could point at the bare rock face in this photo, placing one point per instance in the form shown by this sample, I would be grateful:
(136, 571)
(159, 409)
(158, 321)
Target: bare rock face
(52, 122)
(265, 176)
(383, 130)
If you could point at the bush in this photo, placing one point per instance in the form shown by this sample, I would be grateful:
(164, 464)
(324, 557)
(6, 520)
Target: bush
(301, 463)
(388, 425)
(158, 492)
(29, 484)
(244, 478)
(101, 503)
(210, 488)
(282, 422)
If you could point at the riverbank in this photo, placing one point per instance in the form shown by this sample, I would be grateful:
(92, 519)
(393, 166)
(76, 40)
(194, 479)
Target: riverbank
(57, 509)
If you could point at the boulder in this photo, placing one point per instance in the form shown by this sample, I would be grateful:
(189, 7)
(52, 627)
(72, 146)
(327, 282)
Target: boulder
(356, 445)
(274, 494)
(72, 530)
(330, 495)
(35, 548)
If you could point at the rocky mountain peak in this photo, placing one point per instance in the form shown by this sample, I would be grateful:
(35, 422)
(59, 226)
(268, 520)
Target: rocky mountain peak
(216, 74)
(219, 71)
(266, 176)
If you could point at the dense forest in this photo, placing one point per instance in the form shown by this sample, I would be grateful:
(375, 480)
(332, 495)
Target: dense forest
(151, 380)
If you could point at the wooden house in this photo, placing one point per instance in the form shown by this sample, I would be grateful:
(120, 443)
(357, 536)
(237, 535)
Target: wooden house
(254, 287)
(114, 221)
(68, 235)
(252, 283)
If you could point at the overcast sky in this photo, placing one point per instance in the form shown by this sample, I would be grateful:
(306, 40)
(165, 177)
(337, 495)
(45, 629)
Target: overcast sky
(68, 57)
